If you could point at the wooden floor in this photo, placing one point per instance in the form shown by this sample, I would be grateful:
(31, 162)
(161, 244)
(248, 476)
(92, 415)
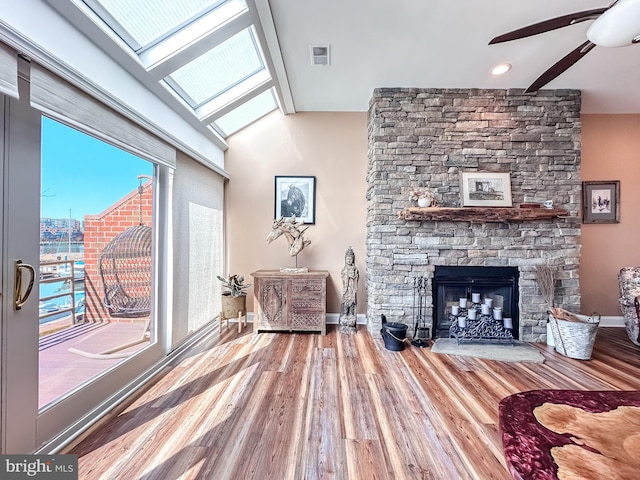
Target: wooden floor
(306, 406)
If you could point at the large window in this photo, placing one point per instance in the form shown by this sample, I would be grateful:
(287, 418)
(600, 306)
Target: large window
(96, 289)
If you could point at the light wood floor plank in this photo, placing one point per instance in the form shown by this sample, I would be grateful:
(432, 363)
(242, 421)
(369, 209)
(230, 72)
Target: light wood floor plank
(365, 459)
(355, 404)
(325, 455)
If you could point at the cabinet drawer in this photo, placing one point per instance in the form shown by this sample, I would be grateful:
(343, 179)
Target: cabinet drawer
(307, 321)
(309, 288)
(310, 304)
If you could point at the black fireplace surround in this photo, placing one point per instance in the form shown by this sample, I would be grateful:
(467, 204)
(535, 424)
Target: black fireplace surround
(452, 283)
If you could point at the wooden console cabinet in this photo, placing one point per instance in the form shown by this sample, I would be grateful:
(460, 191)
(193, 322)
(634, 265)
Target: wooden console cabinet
(290, 301)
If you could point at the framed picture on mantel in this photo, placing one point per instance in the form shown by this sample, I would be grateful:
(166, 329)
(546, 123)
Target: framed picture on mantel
(485, 189)
(601, 202)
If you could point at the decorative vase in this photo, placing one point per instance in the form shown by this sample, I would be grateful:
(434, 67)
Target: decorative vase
(550, 341)
(424, 202)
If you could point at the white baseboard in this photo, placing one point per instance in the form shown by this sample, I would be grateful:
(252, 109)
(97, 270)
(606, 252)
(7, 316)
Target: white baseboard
(332, 318)
(612, 321)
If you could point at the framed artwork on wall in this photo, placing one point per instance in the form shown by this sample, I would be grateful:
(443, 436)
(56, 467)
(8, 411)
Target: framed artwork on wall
(295, 195)
(485, 189)
(601, 202)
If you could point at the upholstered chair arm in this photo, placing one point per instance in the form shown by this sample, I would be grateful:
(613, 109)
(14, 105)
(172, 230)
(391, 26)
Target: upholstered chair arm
(627, 300)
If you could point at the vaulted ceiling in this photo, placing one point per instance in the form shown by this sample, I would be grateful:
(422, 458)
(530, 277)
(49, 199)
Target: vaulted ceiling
(444, 43)
(226, 63)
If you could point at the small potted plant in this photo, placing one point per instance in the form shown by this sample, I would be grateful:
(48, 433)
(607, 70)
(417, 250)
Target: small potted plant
(234, 300)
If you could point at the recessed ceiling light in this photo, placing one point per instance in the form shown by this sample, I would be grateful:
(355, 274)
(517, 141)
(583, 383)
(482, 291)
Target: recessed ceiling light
(501, 69)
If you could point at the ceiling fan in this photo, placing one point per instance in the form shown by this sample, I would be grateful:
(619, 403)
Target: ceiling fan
(617, 25)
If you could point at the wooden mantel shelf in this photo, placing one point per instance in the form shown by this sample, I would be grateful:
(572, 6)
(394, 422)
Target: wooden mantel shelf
(481, 214)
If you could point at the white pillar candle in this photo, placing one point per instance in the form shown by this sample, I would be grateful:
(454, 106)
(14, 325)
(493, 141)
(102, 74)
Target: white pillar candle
(463, 303)
(471, 314)
(508, 323)
(497, 313)
(485, 309)
(462, 322)
(455, 310)
(550, 341)
(489, 302)
(475, 297)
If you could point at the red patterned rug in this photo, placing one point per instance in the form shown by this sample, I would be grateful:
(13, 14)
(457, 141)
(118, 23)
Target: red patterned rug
(571, 434)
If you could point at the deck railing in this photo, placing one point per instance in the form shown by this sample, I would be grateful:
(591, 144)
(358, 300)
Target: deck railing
(51, 272)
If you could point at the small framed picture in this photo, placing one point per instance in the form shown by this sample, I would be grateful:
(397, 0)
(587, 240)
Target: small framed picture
(295, 196)
(485, 189)
(601, 202)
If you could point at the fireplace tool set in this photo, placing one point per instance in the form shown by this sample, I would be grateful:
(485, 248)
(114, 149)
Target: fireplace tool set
(421, 333)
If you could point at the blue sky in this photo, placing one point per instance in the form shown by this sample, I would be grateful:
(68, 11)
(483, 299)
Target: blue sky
(82, 173)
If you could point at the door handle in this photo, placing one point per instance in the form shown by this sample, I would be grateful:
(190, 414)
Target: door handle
(20, 297)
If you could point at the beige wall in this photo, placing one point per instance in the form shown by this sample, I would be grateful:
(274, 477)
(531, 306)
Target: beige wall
(610, 151)
(330, 146)
(333, 147)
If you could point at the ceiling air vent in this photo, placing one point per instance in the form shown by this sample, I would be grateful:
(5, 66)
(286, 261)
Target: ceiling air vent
(319, 54)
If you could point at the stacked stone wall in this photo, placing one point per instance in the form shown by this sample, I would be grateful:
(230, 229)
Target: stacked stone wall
(425, 138)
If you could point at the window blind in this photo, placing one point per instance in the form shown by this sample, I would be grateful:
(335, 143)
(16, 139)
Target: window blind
(8, 71)
(68, 104)
(198, 198)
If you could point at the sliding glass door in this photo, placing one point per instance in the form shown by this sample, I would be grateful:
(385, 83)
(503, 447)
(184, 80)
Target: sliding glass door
(80, 256)
(20, 207)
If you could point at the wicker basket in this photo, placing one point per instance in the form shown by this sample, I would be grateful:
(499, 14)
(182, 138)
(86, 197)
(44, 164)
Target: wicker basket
(575, 339)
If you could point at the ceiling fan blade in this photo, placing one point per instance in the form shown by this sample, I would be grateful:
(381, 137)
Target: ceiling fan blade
(548, 25)
(561, 66)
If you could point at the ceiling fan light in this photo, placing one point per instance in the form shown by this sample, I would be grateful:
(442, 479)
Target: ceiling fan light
(618, 26)
(501, 69)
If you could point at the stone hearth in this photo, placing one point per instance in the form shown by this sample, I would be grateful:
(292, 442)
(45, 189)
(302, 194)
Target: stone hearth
(425, 138)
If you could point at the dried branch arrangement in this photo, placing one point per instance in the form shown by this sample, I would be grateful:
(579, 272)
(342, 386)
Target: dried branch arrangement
(546, 278)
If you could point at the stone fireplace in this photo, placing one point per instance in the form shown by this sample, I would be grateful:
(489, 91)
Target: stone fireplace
(426, 138)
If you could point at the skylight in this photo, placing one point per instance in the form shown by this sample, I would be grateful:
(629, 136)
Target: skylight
(247, 113)
(206, 51)
(143, 22)
(218, 70)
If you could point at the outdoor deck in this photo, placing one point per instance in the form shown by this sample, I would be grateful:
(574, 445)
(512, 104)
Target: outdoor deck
(61, 371)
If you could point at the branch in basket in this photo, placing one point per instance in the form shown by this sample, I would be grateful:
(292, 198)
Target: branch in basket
(562, 314)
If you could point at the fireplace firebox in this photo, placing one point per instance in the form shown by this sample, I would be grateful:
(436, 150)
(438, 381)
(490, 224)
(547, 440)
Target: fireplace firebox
(451, 283)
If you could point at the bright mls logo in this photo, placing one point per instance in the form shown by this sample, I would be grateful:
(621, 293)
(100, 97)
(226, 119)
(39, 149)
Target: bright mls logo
(46, 467)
